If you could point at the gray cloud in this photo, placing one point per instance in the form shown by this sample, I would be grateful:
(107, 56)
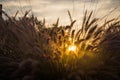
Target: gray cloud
(51, 9)
(115, 3)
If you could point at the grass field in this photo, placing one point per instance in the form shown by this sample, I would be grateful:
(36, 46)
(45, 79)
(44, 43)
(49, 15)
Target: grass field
(29, 50)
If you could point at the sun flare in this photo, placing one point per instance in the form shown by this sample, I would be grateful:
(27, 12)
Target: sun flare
(72, 48)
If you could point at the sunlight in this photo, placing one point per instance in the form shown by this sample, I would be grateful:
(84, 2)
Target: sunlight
(70, 39)
(72, 48)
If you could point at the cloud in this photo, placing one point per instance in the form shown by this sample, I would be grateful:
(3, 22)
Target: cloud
(52, 9)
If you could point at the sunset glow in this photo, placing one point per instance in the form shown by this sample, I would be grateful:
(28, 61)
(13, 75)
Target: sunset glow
(72, 48)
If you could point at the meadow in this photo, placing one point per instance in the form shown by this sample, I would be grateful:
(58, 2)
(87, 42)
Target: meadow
(29, 50)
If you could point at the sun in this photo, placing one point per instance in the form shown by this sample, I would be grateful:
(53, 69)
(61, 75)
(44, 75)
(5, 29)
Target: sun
(72, 48)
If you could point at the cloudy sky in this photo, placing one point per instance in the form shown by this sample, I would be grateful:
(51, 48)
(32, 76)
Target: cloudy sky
(52, 9)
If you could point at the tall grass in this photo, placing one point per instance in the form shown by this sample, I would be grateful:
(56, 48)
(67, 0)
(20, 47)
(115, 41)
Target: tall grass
(31, 51)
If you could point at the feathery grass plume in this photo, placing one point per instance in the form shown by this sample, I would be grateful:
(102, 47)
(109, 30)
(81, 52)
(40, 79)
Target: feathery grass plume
(89, 32)
(57, 23)
(70, 17)
(26, 13)
(87, 21)
(93, 21)
(45, 52)
(72, 34)
(71, 20)
(72, 23)
(63, 32)
(69, 27)
(77, 34)
(16, 14)
(83, 23)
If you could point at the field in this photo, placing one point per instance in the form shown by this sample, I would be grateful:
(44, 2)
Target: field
(29, 50)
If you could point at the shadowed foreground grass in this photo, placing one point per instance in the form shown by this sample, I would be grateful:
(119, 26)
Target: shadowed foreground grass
(31, 51)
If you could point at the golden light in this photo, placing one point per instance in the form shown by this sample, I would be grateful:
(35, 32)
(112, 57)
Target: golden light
(72, 48)
(70, 39)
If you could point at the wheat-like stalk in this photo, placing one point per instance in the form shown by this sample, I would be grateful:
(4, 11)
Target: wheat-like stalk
(28, 46)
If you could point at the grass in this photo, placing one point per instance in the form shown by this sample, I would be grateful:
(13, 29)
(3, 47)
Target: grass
(31, 51)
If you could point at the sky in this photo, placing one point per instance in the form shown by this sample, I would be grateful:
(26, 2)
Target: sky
(53, 9)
